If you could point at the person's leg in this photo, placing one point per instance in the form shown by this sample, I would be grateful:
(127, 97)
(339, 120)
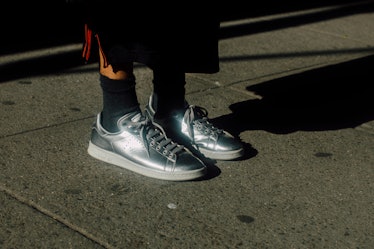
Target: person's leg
(168, 91)
(188, 124)
(119, 94)
(123, 136)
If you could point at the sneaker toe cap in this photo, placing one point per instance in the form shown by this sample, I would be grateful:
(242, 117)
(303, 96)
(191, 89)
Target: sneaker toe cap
(188, 162)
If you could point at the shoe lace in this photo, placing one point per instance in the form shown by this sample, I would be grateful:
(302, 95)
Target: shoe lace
(153, 135)
(161, 142)
(197, 116)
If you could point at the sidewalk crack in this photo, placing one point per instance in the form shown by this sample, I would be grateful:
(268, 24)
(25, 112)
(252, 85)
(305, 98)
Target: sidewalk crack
(55, 217)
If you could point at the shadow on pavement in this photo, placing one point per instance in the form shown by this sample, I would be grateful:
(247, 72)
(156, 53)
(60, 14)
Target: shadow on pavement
(44, 24)
(333, 97)
(337, 9)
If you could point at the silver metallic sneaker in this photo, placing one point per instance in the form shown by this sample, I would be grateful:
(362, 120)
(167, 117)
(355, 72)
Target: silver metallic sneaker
(142, 146)
(192, 128)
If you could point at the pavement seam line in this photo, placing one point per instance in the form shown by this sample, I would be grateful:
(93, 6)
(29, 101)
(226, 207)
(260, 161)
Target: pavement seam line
(46, 127)
(55, 217)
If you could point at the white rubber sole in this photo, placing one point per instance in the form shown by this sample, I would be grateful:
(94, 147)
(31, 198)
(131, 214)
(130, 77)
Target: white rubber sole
(115, 159)
(229, 155)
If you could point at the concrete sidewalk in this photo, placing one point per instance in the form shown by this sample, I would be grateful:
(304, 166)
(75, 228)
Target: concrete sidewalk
(297, 88)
